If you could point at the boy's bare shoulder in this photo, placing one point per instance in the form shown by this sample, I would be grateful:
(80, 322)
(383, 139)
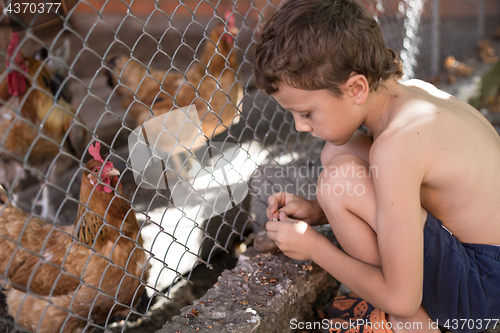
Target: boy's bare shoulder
(427, 125)
(427, 87)
(425, 116)
(404, 128)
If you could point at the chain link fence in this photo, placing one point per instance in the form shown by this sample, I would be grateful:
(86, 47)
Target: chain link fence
(165, 89)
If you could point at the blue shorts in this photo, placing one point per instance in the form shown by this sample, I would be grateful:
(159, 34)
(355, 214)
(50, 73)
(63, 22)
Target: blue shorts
(461, 281)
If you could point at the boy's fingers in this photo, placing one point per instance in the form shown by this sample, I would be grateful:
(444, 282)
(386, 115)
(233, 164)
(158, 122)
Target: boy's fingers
(273, 199)
(272, 235)
(278, 225)
(272, 214)
(289, 209)
(270, 211)
(284, 217)
(272, 226)
(273, 206)
(278, 199)
(280, 202)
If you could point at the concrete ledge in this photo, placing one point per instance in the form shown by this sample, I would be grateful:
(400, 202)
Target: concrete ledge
(263, 293)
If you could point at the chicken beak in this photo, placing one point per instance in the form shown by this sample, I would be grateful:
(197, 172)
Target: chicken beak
(113, 172)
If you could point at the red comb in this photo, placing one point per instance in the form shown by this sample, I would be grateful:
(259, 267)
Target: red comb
(14, 43)
(231, 26)
(230, 20)
(95, 151)
(16, 81)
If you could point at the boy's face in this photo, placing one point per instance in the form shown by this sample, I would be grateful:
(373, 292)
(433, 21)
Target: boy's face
(326, 116)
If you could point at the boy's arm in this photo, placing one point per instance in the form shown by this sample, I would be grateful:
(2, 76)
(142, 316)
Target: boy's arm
(396, 287)
(401, 163)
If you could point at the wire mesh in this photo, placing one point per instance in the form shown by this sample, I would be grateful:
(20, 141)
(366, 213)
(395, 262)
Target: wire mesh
(166, 89)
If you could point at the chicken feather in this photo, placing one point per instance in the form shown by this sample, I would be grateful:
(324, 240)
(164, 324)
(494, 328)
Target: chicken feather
(59, 275)
(35, 126)
(210, 83)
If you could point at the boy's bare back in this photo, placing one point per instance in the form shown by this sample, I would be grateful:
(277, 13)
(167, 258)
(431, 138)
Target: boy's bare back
(459, 152)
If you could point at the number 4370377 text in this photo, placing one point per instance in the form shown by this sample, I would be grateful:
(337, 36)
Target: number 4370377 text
(32, 8)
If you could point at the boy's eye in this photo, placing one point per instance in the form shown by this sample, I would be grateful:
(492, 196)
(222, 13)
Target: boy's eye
(304, 116)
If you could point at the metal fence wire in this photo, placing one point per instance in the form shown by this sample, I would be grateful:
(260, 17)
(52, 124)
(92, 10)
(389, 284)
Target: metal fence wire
(134, 144)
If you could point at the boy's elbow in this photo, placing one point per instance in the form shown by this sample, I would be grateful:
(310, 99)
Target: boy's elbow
(404, 307)
(403, 312)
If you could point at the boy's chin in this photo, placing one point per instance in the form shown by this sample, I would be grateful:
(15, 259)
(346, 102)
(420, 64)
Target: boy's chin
(317, 136)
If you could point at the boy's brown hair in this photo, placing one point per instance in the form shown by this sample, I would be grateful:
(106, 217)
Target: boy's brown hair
(317, 44)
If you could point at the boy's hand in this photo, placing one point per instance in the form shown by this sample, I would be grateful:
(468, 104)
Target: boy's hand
(295, 238)
(295, 207)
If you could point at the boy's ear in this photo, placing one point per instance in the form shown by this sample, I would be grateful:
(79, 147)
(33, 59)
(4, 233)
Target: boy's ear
(357, 87)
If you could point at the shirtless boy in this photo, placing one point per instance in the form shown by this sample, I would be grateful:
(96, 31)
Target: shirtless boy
(421, 234)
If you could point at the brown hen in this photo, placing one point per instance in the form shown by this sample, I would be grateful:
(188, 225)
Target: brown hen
(210, 84)
(37, 124)
(60, 276)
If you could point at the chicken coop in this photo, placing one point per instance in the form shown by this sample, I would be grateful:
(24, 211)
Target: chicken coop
(137, 154)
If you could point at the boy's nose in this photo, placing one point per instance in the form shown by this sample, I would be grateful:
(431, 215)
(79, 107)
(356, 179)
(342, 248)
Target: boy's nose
(301, 126)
